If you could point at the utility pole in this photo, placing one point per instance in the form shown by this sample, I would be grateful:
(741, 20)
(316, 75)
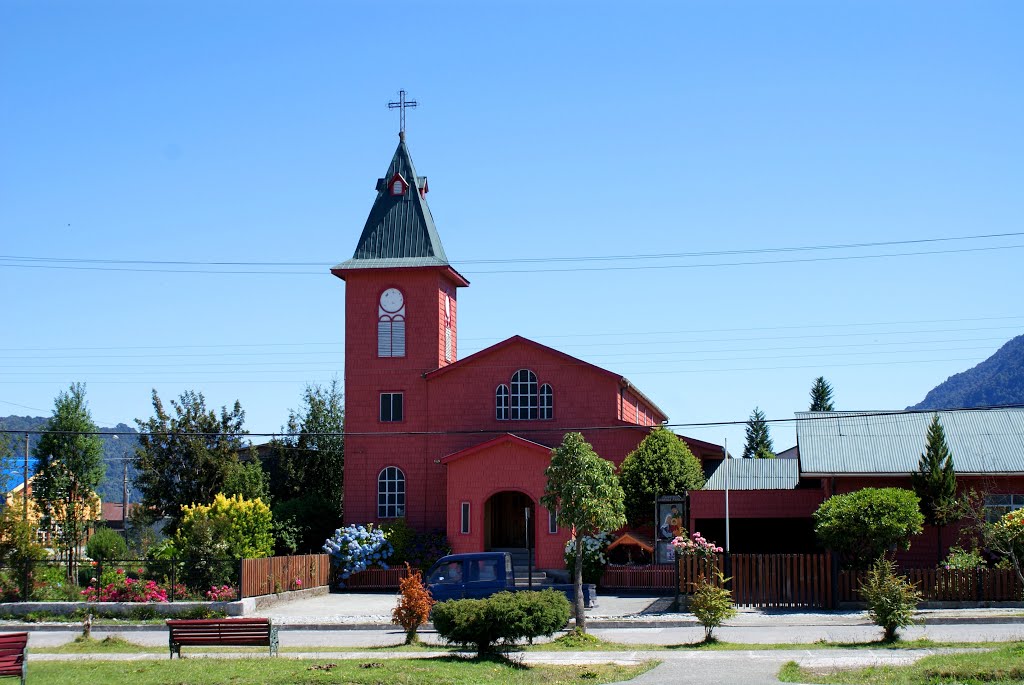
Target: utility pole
(24, 486)
(124, 504)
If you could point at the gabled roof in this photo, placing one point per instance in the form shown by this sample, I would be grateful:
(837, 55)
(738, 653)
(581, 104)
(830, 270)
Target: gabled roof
(399, 232)
(755, 474)
(562, 356)
(982, 441)
(507, 438)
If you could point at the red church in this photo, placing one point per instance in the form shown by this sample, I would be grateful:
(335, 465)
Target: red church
(458, 444)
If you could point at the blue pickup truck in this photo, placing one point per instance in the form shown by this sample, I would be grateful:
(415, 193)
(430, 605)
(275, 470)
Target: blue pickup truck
(481, 574)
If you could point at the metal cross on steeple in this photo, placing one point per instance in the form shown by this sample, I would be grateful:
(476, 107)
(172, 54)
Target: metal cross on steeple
(400, 106)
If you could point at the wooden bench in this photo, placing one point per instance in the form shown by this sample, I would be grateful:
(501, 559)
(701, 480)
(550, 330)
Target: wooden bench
(238, 632)
(14, 655)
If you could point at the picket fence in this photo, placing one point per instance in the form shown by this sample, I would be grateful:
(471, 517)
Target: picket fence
(945, 585)
(280, 574)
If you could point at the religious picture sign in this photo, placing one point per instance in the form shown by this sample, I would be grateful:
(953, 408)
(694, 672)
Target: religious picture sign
(671, 511)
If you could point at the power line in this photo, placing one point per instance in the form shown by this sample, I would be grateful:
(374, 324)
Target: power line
(520, 431)
(158, 266)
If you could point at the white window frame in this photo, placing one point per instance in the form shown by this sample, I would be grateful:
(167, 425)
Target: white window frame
(523, 396)
(501, 400)
(546, 402)
(390, 493)
(391, 407)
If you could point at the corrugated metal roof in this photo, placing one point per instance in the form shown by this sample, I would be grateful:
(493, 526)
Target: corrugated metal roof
(980, 440)
(755, 474)
(399, 227)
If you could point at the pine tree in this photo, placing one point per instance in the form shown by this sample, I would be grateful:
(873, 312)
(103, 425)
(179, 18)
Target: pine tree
(759, 442)
(935, 480)
(821, 395)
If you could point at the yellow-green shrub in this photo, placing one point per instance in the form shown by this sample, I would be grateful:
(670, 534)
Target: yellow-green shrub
(237, 527)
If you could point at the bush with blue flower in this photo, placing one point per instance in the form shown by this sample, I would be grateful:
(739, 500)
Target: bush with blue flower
(356, 548)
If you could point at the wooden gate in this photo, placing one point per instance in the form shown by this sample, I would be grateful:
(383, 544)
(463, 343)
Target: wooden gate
(767, 580)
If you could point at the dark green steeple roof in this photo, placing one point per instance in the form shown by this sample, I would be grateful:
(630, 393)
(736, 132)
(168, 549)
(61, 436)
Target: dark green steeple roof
(400, 230)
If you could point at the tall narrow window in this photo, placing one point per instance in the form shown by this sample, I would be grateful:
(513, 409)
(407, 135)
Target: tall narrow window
(391, 406)
(447, 328)
(524, 395)
(464, 519)
(547, 402)
(391, 493)
(391, 324)
(552, 522)
(501, 403)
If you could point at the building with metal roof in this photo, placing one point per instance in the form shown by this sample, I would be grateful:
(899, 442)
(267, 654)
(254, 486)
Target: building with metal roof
(982, 441)
(754, 474)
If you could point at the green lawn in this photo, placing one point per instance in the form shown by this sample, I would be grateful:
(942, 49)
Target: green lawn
(1002, 665)
(565, 643)
(438, 671)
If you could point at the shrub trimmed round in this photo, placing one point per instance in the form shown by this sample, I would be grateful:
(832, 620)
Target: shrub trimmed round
(507, 617)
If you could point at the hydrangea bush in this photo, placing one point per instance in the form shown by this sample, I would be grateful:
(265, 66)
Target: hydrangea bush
(356, 548)
(594, 558)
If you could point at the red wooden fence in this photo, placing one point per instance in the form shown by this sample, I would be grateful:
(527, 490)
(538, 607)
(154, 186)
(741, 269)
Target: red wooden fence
(945, 585)
(375, 579)
(639, 577)
(766, 580)
(280, 574)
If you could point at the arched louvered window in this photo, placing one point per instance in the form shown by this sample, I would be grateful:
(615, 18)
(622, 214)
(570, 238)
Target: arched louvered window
(547, 402)
(501, 403)
(391, 493)
(523, 395)
(391, 324)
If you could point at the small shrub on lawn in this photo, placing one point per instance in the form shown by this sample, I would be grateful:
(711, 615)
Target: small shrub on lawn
(711, 604)
(506, 616)
(577, 639)
(891, 599)
(414, 604)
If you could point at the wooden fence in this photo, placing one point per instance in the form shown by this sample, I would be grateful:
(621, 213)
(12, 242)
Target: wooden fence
(375, 579)
(280, 574)
(945, 585)
(661, 577)
(766, 580)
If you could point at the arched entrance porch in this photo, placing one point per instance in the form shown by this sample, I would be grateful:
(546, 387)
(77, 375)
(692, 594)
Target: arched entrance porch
(505, 521)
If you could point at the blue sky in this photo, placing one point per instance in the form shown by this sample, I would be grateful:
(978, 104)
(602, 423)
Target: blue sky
(255, 131)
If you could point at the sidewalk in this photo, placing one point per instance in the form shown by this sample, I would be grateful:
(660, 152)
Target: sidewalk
(373, 610)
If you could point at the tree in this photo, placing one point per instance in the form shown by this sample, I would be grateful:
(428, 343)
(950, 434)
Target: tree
(414, 603)
(759, 442)
(935, 481)
(242, 527)
(821, 395)
(662, 464)
(1006, 537)
(69, 467)
(586, 496)
(186, 458)
(863, 525)
(307, 467)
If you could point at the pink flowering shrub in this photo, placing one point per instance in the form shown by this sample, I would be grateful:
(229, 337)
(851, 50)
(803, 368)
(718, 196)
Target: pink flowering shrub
(696, 546)
(115, 586)
(224, 593)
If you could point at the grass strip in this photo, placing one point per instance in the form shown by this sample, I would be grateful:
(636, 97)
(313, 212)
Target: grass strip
(448, 670)
(1004, 665)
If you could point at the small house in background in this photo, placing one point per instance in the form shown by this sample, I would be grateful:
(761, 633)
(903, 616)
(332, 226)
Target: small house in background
(114, 514)
(45, 526)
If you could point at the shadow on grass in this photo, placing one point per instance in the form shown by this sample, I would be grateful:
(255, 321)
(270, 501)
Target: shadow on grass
(496, 658)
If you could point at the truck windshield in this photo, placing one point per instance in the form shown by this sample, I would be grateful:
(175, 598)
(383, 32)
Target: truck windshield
(446, 573)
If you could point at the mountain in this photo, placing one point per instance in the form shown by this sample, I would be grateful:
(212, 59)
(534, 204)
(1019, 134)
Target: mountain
(115, 453)
(997, 380)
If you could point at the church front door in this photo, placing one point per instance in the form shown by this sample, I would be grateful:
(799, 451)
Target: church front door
(506, 520)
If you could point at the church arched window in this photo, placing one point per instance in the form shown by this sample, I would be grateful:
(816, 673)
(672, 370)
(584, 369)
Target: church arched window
(547, 402)
(391, 324)
(501, 403)
(391, 493)
(523, 395)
